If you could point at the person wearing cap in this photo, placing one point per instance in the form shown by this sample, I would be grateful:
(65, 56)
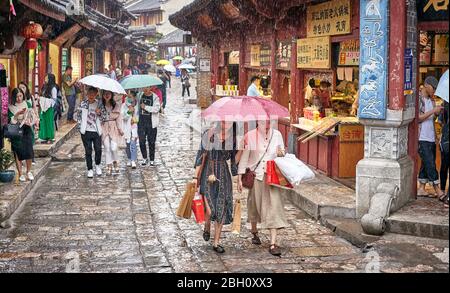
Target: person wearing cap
(427, 138)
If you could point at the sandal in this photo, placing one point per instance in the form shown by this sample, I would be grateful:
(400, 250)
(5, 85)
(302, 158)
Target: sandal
(443, 197)
(275, 250)
(256, 240)
(206, 235)
(218, 249)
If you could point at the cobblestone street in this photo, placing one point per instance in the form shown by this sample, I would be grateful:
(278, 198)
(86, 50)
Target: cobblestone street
(127, 223)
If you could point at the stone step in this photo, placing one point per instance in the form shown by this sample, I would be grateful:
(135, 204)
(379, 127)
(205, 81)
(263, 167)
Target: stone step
(425, 217)
(350, 230)
(65, 132)
(323, 197)
(12, 195)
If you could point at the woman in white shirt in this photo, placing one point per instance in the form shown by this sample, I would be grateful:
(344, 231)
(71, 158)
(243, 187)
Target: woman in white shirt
(265, 204)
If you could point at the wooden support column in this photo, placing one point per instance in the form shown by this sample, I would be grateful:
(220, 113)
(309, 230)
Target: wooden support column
(214, 66)
(242, 71)
(397, 45)
(43, 61)
(295, 90)
(275, 80)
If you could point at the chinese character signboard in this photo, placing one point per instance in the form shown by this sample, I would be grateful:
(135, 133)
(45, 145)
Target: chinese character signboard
(88, 61)
(233, 58)
(432, 10)
(284, 54)
(64, 59)
(254, 55)
(265, 55)
(314, 53)
(349, 53)
(351, 133)
(329, 18)
(373, 62)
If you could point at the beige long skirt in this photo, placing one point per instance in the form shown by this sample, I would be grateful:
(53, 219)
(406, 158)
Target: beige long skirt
(265, 206)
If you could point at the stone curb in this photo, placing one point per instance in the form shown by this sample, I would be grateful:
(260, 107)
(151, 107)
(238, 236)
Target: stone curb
(315, 209)
(428, 230)
(54, 147)
(7, 210)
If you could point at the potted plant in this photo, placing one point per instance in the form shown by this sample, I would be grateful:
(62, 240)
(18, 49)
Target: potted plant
(6, 159)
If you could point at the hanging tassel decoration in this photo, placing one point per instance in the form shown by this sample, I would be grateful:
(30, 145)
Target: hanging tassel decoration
(12, 10)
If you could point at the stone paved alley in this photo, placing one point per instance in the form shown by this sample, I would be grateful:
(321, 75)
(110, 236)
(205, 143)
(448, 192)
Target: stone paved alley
(127, 223)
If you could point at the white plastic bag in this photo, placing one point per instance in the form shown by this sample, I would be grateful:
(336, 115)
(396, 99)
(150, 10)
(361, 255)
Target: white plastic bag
(294, 170)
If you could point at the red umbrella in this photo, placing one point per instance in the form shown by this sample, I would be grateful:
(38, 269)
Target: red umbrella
(244, 109)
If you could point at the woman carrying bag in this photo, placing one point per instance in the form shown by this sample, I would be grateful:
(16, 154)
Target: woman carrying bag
(265, 204)
(20, 112)
(213, 176)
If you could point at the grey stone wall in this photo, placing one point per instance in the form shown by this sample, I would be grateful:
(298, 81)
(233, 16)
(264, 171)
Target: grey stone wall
(204, 97)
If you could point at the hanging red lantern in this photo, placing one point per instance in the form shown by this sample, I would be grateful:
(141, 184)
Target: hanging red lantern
(31, 32)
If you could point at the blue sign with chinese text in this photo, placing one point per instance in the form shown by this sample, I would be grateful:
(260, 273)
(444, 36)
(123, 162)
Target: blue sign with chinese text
(373, 59)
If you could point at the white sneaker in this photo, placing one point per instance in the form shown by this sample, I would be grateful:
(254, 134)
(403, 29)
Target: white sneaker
(129, 164)
(144, 162)
(133, 165)
(90, 174)
(30, 176)
(98, 170)
(22, 178)
(152, 163)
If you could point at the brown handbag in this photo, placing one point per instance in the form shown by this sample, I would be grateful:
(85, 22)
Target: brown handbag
(248, 179)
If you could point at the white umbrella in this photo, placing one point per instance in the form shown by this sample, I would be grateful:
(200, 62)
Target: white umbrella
(186, 66)
(442, 89)
(104, 83)
(170, 68)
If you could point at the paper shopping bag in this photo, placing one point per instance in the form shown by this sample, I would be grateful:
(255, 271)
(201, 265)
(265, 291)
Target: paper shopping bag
(185, 207)
(236, 226)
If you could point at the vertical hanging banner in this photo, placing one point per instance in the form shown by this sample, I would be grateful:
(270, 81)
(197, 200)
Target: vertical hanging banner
(88, 61)
(373, 60)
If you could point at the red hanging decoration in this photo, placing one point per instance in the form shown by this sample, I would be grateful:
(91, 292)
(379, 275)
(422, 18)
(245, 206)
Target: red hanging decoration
(31, 44)
(31, 32)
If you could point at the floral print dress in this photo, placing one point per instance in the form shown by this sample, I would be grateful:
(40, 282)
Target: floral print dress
(219, 194)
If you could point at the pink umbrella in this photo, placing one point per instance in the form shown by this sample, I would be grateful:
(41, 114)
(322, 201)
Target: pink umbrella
(244, 109)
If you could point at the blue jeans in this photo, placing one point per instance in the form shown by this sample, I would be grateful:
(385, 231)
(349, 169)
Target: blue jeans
(71, 100)
(428, 172)
(132, 150)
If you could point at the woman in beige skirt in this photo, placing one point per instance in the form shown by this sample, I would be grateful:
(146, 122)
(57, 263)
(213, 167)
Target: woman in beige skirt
(265, 204)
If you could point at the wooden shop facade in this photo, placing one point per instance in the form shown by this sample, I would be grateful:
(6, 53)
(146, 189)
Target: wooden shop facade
(300, 44)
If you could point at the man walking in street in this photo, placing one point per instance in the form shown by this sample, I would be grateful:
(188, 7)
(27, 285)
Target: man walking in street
(69, 93)
(91, 131)
(149, 107)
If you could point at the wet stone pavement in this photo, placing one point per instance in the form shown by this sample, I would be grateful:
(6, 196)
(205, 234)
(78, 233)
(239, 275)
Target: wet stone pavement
(127, 223)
